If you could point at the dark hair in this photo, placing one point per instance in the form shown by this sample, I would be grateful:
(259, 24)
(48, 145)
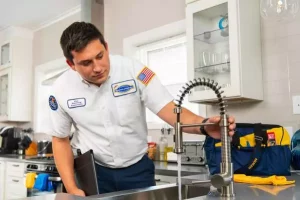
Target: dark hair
(77, 36)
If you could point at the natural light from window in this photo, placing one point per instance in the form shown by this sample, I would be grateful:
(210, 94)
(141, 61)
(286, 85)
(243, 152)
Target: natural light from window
(168, 59)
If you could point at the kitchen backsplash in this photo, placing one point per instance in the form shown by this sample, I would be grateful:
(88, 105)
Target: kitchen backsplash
(281, 72)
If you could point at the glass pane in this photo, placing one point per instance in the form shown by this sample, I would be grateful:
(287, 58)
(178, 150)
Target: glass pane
(3, 94)
(211, 45)
(5, 54)
(169, 63)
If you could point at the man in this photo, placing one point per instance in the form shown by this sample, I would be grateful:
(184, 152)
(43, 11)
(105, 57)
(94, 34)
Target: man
(104, 97)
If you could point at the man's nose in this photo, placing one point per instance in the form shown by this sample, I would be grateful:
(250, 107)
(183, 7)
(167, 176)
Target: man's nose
(97, 68)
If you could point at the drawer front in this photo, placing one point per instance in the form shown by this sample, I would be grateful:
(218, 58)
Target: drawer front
(15, 169)
(15, 186)
(12, 197)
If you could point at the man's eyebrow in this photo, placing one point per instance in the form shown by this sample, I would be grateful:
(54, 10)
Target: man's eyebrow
(88, 60)
(83, 61)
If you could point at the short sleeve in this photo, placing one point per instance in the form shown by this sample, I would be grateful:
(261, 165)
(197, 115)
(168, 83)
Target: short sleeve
(60, 121)
(153, 93)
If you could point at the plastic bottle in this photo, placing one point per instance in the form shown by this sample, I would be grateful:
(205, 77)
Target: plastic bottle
(163, 143)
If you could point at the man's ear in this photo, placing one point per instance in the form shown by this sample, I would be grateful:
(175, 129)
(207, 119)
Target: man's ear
(71, 64)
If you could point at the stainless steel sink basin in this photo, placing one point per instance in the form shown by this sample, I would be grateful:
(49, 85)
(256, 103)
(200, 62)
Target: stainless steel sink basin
(162, 192)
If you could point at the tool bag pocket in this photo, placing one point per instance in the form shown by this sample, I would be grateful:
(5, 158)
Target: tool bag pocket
(256, 149)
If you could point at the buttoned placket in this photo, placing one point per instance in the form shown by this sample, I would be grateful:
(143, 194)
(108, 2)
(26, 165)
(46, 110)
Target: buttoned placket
(104, 91)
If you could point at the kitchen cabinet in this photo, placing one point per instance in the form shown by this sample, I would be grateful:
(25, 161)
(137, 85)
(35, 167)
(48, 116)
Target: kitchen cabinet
(2, 179)
(224, 45)
(15, 181)
(16, 75)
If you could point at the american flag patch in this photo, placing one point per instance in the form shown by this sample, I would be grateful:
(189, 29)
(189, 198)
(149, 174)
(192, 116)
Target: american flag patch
(145, 75)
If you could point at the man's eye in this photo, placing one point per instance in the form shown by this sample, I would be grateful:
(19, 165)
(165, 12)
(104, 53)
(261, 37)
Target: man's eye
(100, 56)
(87, 63)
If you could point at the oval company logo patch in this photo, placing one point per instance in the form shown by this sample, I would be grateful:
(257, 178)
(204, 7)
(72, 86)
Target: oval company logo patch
(123, 88)
(53, 103)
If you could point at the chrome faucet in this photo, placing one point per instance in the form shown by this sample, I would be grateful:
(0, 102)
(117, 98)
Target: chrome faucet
(224, 180)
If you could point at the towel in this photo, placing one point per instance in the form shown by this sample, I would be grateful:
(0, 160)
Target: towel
(271, 180)
(41, 182)
(30, 179)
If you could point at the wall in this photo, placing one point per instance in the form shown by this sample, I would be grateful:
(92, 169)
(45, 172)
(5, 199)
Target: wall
(281, 70)
(127, 18)
(46, 45)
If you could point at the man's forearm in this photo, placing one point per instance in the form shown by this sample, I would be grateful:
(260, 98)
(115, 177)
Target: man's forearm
(64, 161)
(187, 117)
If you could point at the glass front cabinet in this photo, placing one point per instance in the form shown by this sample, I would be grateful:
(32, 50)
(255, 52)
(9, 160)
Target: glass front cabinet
(224, 45)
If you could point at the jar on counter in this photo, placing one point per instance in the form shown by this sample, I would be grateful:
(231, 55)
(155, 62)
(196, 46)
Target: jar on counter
(151, 150)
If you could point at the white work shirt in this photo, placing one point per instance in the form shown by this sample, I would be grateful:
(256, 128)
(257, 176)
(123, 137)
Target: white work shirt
(109, 119)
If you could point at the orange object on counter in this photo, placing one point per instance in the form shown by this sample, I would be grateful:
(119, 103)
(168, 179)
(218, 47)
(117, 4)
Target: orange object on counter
(31, 150)
(151, 150)
(271, 180)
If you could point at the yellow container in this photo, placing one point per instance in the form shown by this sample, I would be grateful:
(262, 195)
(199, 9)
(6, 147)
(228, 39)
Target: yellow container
(167, 149)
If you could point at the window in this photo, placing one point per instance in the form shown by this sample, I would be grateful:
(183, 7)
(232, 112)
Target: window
(167, 58)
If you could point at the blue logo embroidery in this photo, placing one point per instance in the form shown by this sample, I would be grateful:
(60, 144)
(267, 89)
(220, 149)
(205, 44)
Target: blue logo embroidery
(53, 103)
(123, 88)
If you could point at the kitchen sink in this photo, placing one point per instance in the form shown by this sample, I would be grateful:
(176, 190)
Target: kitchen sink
(163, 192)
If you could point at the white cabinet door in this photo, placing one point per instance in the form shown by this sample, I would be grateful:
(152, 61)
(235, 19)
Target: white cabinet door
(5, 86)
(5, 54)
(223, 40)
(16, 75)
(2, 179)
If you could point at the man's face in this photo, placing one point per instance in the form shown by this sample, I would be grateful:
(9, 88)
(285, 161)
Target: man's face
(92, 62)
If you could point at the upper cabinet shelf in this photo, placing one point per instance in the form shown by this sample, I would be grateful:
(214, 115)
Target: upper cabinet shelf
(213, 37)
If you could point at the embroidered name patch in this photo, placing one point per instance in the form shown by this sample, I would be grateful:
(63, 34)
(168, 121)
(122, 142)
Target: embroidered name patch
(123, 88)
(145, 76)
(53, 103)
(74, 103)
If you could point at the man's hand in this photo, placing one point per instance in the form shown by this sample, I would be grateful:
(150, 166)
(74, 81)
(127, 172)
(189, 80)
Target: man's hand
(77, 192)
(215, 131)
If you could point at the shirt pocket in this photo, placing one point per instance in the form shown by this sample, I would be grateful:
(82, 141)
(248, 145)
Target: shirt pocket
(129, 110)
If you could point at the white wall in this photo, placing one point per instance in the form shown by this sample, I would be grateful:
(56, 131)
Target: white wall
(46, 45)
(129, 17)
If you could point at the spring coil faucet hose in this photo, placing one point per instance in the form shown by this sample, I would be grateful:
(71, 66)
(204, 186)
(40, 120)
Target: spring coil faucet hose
(224, 181)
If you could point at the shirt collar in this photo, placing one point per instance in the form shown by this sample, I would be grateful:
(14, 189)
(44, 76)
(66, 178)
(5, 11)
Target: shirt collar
(89, 84)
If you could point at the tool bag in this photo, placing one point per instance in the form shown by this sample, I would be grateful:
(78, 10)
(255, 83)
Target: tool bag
(256, 149)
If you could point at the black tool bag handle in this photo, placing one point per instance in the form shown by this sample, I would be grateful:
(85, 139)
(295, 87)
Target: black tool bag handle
(261, 137)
